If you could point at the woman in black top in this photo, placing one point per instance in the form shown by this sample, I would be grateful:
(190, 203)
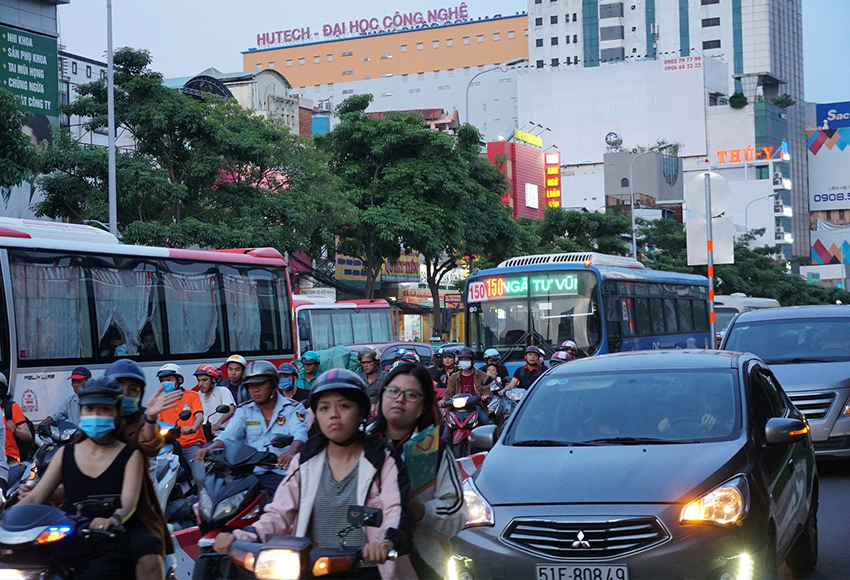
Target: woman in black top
(98, 464)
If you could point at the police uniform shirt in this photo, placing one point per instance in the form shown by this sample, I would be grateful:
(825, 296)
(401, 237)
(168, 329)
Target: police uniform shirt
(248, 426)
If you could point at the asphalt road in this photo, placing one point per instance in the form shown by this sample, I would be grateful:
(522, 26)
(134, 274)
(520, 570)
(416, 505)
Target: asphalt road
(833, 523)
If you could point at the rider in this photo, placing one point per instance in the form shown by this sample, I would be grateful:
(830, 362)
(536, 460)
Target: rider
(437, 364)
(491, 357)
(339, 468)
(560, 357)
(449, 368)
(468, 381)
(212, 397)
(16, 423)
(120, 468)
(191, 434)
(571, 347)
(235, 367)
(287, 374)
(373, 375)
(257, 422)
(307, 377)
(70, 409)
(407, 406)
(525, 375)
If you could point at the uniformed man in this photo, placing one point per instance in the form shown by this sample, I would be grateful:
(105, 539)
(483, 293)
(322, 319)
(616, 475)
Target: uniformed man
(258, 421)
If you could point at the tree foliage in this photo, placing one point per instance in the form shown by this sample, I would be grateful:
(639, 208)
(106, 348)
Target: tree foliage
(18, 159)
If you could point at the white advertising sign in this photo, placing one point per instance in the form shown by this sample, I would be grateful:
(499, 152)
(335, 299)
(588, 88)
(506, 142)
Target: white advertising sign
(829, 169)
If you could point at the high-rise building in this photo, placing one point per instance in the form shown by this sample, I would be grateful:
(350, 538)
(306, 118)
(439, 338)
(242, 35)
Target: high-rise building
(760, 41)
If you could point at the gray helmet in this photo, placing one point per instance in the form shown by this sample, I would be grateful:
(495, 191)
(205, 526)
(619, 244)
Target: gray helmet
(370, 352)
(346, 382)
(260, 371)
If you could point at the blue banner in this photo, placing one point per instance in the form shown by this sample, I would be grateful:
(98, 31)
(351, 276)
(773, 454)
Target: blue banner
(834, 115)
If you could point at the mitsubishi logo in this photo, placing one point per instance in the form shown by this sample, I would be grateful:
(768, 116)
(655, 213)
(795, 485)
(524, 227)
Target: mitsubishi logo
(581, 543)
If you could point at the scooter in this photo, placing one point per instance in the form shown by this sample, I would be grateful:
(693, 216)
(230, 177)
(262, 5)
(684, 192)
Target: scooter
(53, 437)
(172, 478)
(501, 407)
(461, 418)
(290, 557)
(30, 535)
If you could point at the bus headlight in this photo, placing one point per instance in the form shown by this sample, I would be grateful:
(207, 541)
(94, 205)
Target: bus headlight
(725, 504)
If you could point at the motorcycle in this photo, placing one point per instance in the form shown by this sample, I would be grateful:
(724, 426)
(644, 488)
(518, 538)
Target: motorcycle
(461, 417)
(53, 438)
(290, 557)
(171, 477)
(501, 407)
(30, 535)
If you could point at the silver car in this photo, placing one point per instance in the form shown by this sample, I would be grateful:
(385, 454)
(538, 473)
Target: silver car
(659, 464)
(808, 349)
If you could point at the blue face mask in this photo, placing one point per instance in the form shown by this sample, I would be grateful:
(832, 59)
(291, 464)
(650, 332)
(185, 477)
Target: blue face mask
(169, 387)
(129, 406)
(284, 384)
(97, 426)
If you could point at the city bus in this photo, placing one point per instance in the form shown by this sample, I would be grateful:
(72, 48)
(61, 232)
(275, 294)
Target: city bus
(603, 303)
(726, 307)
(323, 323)
(73, 295)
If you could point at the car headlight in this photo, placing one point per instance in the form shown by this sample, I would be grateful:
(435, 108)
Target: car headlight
(845, 412)
(479, 511)
(278, 565)
(229, 506)
(205, 504)
(725, 504)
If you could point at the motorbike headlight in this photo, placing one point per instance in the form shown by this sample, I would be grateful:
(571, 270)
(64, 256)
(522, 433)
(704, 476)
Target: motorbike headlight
(205, 504)
(229, 506)
(54, 433)
(479, 511)
(67, 434)
(725, 504)
(29, 574)
(53, 534)
(278, 565)
(514, 396)
(459, 403)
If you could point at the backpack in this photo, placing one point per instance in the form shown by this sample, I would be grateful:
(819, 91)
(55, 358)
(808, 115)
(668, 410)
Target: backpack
(25, 448)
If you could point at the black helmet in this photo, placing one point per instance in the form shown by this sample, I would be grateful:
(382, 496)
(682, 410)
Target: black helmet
(449, 351)
(466, 352)
(101, 391)
(370, 352)
(260, 371)
(534, 350)
(344, 380)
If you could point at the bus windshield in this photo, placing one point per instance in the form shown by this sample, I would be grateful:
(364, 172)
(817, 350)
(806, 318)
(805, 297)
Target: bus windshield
(323, 328)
(543, 309)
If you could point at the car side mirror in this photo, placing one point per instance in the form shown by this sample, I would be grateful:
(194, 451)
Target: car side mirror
(366, 517)
(483, 438)
(222, 409)
(780, 431)
(282, 440)
(184, 415)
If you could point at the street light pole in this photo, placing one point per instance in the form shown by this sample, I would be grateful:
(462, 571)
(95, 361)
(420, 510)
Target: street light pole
(503, 68)
(632, 192)
(110, 88)
(747, 209)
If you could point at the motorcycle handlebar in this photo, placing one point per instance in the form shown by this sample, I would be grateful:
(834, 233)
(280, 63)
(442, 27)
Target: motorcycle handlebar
(111, 533)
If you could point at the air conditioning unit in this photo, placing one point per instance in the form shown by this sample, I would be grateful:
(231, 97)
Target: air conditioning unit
(780, 230)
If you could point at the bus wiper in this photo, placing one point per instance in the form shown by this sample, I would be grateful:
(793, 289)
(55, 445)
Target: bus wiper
(633, 440)
(547, 443)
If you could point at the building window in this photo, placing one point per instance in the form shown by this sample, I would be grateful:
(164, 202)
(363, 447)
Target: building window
(554, 41)
(569, 60)
(404, 48)
(347, 91)
(480, 38)
(330, 58)
(709, 22)
(624, 182)
(367, 58)
(347, 72)
(828, 216)
(88, 71)
(386, 75)
(466, 70)
(611, 33)
(710, 44)
(613, 10)
(568, 39)
(556, 62)
(575, 17)
(414, 90)
(496, 36)
(73, 68)
(347, 54)
(420, 76)
(435, 44)
(538, 22)
(707, 2)
(841, 214)
(419, 46)
(444, 87)
(538, 42)
(317, 59)
(436, 74)
(511, 34)
(271, 65)
(451, 72)
(466, 40)
(575, 38)
(553, 19)
(387, 95)
(300, 61)
(103, 72)
(386, 56)
(259, 66)
(450, 42)
(539, 64)
(404, 78)
(538, 1)
(289, 62)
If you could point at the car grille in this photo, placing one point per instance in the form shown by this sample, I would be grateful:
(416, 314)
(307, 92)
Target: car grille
(585, 539)
(813, 405)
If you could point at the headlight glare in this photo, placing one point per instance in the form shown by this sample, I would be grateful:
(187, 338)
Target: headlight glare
(479, 512)
(459, 403)
(278, 565)
(723, 505)
(228, 506)
(205, 504)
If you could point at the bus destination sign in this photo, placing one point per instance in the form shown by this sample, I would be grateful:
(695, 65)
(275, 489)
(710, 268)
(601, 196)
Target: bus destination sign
(497, 287)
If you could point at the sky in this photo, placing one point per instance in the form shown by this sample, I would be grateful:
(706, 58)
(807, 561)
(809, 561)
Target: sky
(187, 36)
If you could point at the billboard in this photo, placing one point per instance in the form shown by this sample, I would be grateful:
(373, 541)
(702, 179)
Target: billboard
(30, 70)
(553, 179)
(642, 101)
(350, 269)
(830, 244)
(833, 115)
(829, 169)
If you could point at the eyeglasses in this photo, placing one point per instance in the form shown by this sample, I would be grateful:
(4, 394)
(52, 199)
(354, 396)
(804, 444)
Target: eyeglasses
(408, 396)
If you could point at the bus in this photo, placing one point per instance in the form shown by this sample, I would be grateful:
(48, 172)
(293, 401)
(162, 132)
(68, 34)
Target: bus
(323, 323)
(603, 303)
(73, 295)
(726, 307)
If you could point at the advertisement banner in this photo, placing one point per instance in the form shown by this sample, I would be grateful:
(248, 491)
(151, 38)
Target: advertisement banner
(30, 70)
(830, 244)
(553, 179)
(829, 169)
(350, 269)
(833, 115)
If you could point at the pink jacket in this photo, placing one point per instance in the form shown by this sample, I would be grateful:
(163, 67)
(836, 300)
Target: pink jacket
(289, 512)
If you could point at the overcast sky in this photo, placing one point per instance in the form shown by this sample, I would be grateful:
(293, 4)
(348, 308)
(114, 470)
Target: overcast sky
(188, 36)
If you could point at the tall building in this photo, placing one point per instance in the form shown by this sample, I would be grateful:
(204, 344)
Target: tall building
(759, 41)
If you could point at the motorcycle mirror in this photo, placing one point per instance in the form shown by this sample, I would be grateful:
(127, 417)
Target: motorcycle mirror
(43, 431)
(185, 415)
(222, 409)
(282, 440)
(365, 517)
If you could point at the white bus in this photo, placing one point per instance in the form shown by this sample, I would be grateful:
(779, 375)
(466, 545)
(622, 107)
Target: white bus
(323, 323)
(726, 307)
(74, 295)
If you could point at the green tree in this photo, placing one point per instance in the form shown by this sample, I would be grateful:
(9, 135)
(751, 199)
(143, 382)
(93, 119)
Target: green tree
(738, 101)
(784, 101)
(573, 231)
(18, 159)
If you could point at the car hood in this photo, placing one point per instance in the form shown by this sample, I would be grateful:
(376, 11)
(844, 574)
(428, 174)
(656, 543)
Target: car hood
(607, 474)
(812, 376)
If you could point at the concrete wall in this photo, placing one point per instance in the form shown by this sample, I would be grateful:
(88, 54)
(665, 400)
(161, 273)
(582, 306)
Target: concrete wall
(32, 15)
(647, 175)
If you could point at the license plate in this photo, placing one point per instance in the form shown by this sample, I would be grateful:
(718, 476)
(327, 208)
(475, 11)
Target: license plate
(585, 572)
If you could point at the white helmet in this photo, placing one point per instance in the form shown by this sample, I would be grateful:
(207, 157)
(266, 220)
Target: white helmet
(237, 358)
(170, 369)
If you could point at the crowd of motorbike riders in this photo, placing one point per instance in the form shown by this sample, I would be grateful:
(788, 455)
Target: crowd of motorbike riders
(346, 429)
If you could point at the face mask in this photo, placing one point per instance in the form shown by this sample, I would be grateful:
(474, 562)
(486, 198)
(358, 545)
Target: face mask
(169, 387)
(129, 406)
(464, 364)
(284, 384)
(97, 426)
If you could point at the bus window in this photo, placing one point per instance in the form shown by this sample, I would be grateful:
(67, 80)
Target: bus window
(192, 309)
(656, 308)
(343, 333)
(630, 324)
(686, 317)
(51, 306)
(643, 316)
(323, 334)
(125, 302)
(364, 331)
(670, 316)
(252, 300)
(701, 315)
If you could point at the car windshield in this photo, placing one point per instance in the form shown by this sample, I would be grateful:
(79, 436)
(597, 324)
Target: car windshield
(793, 341)
(661, 406)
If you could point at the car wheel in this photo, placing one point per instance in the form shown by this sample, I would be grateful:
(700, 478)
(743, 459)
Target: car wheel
(803, 556)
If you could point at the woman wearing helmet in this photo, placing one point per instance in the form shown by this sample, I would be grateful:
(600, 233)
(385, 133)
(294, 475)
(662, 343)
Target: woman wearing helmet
(212, 396)
(120, 469)
(525, 375)
(373, 375)
(339, 468)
